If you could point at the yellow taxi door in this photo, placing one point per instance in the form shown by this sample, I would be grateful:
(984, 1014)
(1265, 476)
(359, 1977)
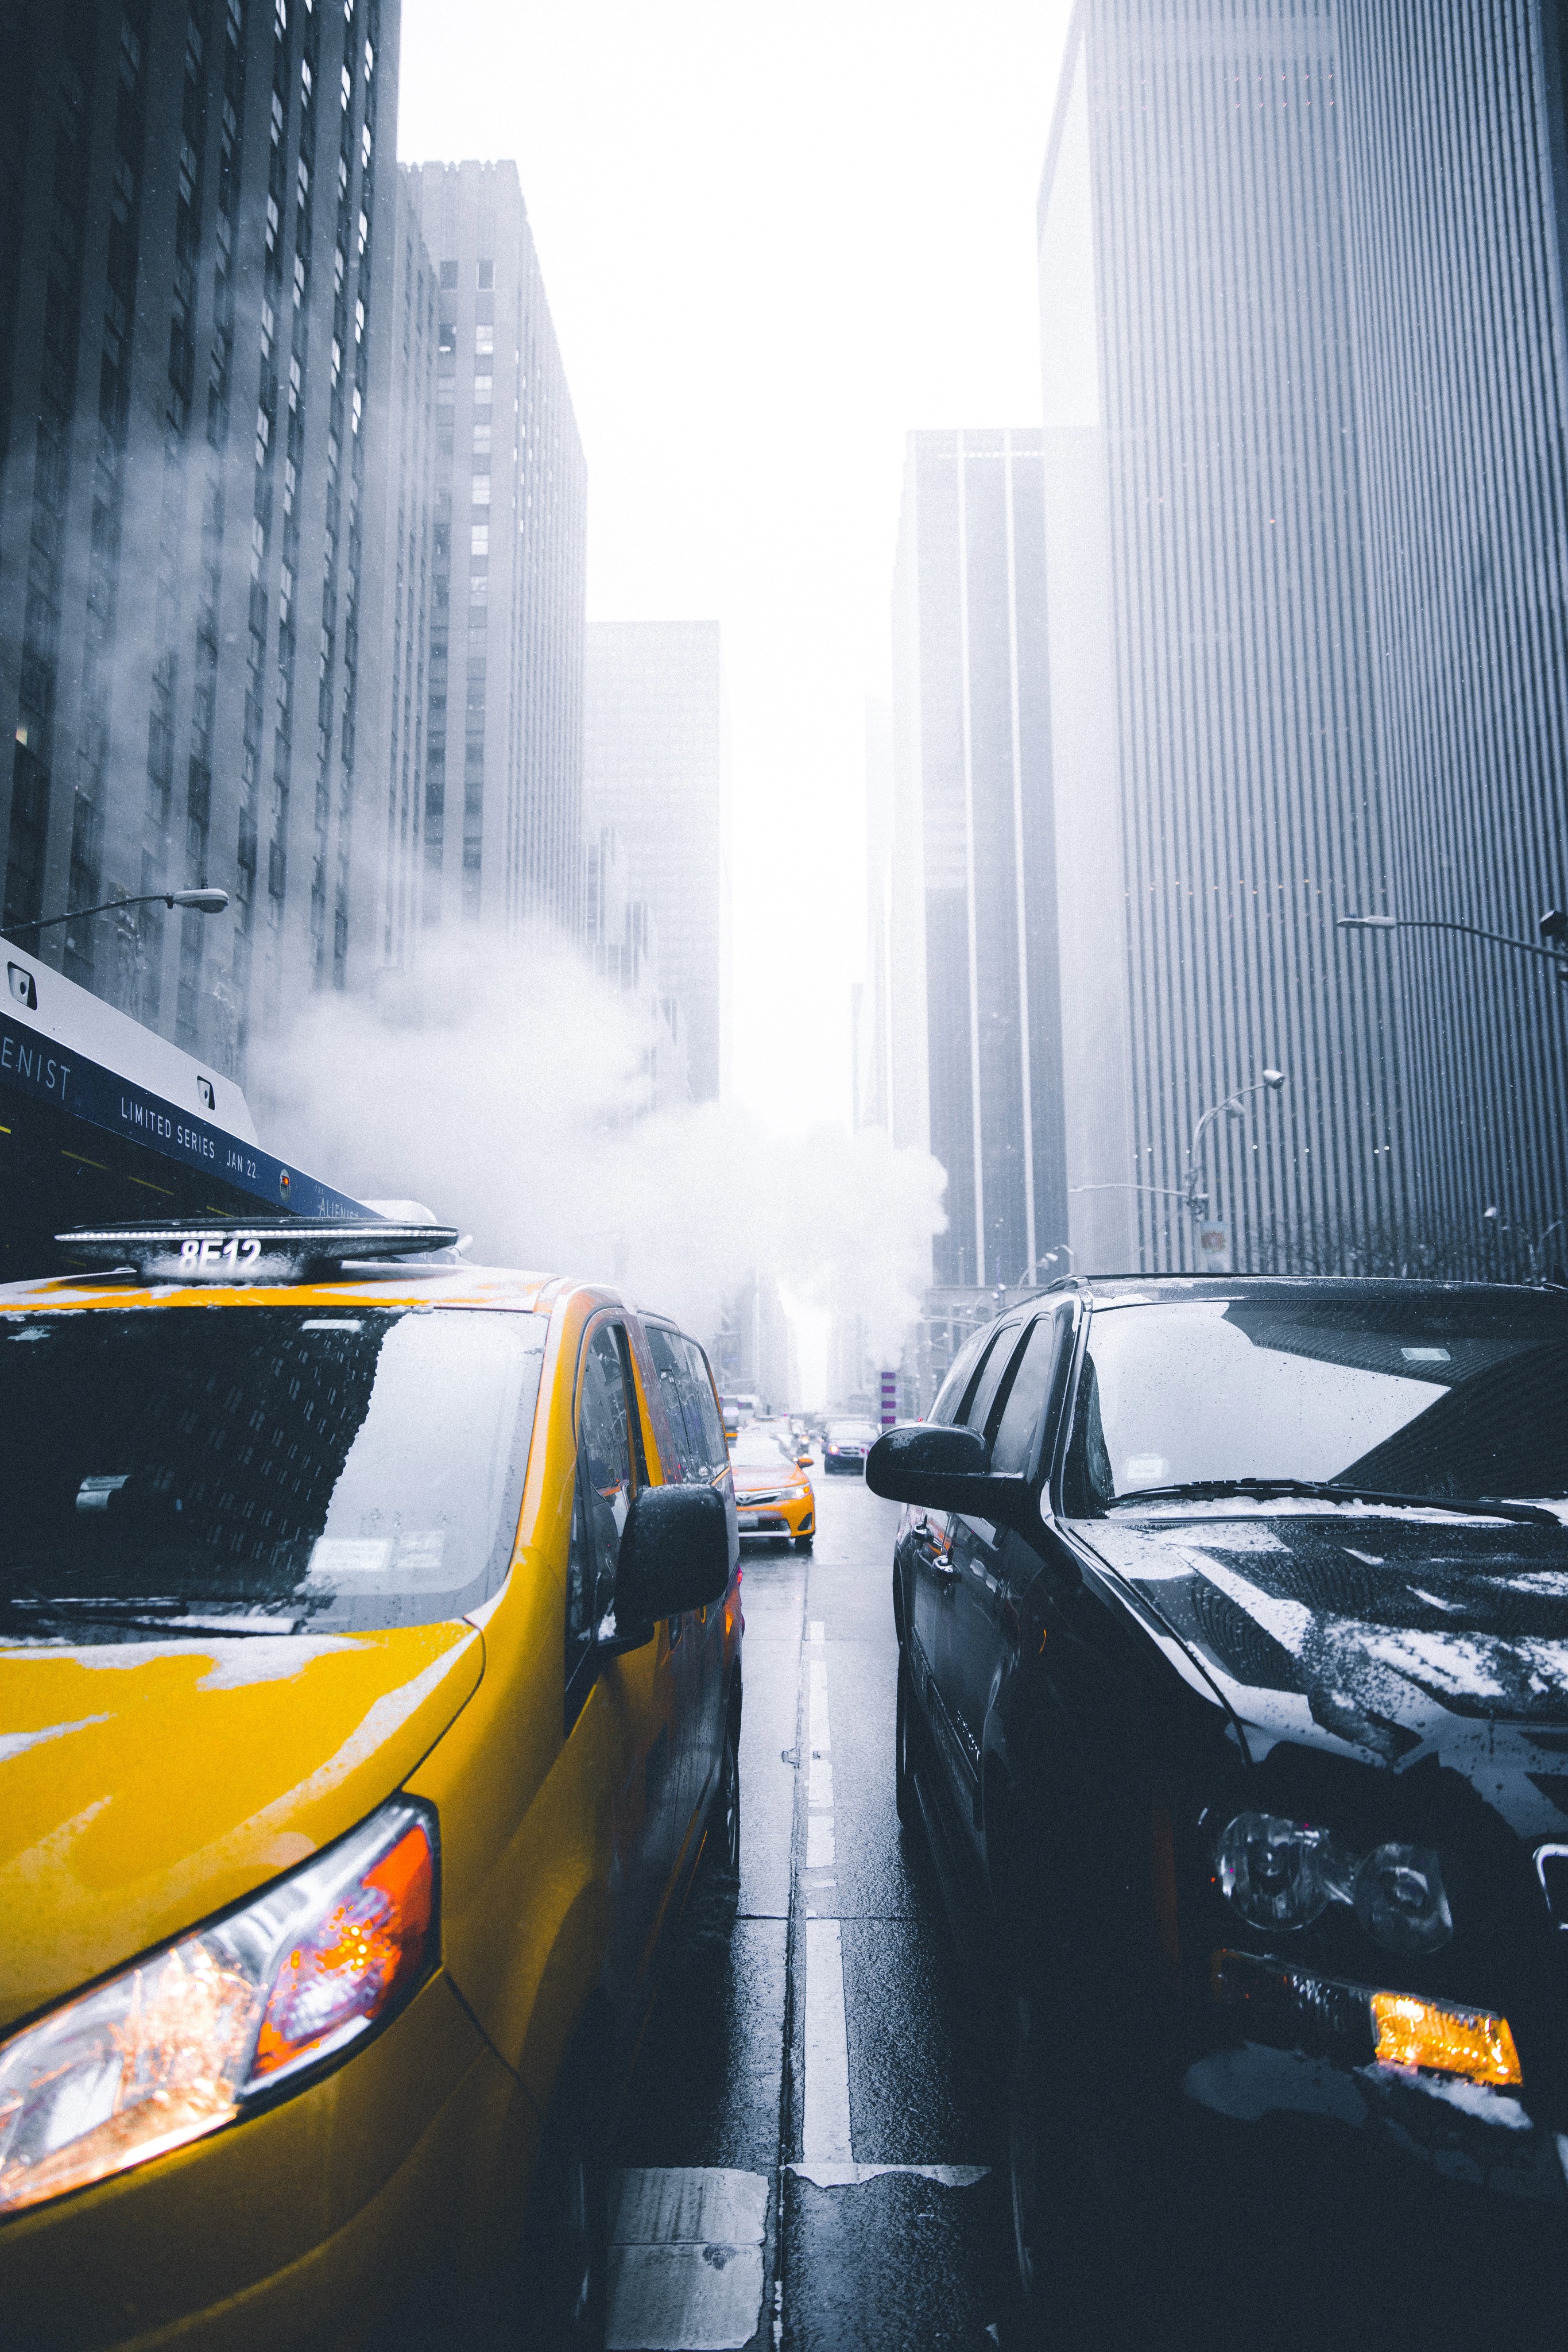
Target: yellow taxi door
(627, 1707)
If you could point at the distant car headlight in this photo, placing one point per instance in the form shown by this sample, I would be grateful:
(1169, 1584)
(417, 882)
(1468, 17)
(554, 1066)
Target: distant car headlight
(181, 2043)
(1283, 1875)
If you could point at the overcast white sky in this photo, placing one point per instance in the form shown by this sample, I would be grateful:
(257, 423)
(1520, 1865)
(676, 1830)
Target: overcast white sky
(775, 239)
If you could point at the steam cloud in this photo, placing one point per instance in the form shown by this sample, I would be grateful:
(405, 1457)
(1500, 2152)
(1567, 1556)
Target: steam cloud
(506, 1089)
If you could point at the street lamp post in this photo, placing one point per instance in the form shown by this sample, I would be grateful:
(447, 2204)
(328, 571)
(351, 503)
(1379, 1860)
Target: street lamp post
(1046, 1258)
(1229, 1107)
(200, 902)
(1552, 927)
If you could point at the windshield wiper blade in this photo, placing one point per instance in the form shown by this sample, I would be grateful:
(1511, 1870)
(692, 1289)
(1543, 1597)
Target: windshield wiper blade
(172, 1617)
(1204, 1490)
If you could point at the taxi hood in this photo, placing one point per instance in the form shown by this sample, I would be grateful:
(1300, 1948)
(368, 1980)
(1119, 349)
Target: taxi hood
(145, 1786)
(1396, 1635)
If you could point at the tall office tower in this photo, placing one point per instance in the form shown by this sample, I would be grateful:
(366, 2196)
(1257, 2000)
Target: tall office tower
(624, 938)
(195, 344)
(872, 998)
(503, 802)
(976, 1026)
(1305, 403)
(656, 768)
(391, 867)
(1458, 196)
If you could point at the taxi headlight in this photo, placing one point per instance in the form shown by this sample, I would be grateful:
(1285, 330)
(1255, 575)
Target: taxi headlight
(181, 2043)
(1283, 1875)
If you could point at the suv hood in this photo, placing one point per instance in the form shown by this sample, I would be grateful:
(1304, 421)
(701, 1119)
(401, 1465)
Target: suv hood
(1388, 1633)
(145, 1786)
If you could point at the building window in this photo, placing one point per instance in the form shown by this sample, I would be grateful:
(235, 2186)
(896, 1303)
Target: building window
(486, 277)
(449, 273)
(483, 338)
(479, 538)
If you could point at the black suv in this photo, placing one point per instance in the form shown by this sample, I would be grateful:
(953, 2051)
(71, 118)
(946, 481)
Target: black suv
(1233, 1690)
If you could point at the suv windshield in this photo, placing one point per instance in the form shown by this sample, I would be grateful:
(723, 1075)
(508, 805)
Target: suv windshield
(1433, 1397)
(258, 1468)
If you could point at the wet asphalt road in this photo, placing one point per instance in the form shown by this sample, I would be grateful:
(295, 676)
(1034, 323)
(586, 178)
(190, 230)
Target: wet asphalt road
(816, 2026)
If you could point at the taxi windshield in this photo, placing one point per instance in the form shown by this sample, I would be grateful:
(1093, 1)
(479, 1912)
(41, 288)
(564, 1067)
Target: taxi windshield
(1439, 1398)
(755, 1449)
(258, 1469)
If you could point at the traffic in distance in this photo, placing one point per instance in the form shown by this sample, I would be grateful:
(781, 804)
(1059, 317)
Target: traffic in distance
(376, 1902)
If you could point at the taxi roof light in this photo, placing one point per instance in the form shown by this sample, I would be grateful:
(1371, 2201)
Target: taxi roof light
(277, 1250)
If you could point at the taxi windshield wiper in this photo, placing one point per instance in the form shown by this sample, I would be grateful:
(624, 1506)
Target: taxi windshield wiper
(169, 1616)
(1204, 1490)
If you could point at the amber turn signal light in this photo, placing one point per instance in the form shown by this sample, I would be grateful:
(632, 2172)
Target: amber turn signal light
(1469, 2042)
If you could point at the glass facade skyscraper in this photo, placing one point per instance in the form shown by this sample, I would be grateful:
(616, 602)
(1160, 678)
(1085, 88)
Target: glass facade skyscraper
(974, 1061)
(656, 770)
(1302, 339)
(194, 349)
(503, 795)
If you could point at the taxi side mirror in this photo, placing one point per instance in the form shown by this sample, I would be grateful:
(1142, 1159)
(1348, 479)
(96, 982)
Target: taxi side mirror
(945, 1467)
(802, 1461)
(674, 1555)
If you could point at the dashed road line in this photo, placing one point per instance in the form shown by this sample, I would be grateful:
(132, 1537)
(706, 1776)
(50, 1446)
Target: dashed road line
(686, 2260)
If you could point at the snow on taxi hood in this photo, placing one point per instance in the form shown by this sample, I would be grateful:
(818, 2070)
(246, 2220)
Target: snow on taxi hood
(144, 1786)
(1395, 1635)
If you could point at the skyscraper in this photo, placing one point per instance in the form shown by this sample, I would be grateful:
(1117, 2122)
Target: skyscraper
(391, 866)
(975, 1056)
(503, 803)
(1302, 335)
(656, 770)
(194, 346)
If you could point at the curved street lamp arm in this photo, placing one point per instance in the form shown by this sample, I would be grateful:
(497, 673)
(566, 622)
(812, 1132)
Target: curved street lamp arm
(1165, 1191)
(1442, 923)
(80, 914)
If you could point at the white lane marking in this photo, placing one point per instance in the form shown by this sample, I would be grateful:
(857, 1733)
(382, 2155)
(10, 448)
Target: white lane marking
(819, 1788)
(686, 2260)
(688, 2204)
(822, 1740)
(825, 2122)
(818, 1630)
(854, 2175)
(819, 1842)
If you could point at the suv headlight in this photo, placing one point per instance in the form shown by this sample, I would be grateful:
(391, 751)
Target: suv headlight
(183, 2042)
(1283, 1875)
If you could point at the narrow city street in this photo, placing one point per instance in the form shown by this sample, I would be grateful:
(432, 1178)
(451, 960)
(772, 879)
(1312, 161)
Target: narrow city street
(808, 2149)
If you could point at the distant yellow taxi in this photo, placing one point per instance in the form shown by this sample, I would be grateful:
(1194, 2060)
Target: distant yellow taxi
(773, 1491)
(370, 1683)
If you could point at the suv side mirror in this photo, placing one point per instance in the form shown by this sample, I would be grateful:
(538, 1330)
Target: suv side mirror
(674, 1556)
(944, 1467)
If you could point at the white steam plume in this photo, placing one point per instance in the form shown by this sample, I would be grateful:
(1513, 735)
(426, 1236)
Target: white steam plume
(503, 1087)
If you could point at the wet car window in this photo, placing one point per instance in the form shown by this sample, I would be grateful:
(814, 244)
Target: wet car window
(1025, 1402)
(281, 1468)
(687, 1437)
(604, 1488)
(1431, 1398)
(702, 1409)
(978, 1406)
(950, 1395)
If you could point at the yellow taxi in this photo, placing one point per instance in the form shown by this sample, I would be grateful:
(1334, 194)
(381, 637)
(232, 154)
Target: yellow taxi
(370, 1685)
(773, 1491)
